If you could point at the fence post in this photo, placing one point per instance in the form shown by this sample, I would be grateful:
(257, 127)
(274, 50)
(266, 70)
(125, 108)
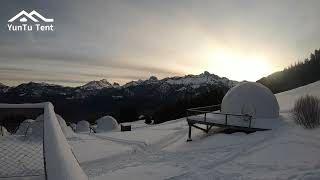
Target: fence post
(226, 119)
(1, 127)
(189, 134)
(205, 120)
(187, 114)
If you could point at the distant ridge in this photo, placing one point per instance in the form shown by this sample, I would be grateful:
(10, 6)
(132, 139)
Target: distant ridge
(200, 79)
(161, 99)
(299, 74)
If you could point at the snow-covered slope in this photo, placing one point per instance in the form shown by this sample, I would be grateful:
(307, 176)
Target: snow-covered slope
(38, 90)
(161, 151)
(287, 99)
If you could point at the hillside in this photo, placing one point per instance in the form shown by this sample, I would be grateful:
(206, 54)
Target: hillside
(299, 74)
(160, 151)
(286, 99)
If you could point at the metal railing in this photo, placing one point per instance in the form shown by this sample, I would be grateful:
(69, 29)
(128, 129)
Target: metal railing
(213, 110)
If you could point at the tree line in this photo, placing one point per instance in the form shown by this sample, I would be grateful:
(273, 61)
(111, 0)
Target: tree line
(298, 74)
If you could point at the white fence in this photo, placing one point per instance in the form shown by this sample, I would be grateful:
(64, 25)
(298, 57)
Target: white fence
(59, 160)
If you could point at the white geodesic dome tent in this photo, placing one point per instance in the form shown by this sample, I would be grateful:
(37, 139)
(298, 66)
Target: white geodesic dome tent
(107, 123)
(83, 126)
(251, 98)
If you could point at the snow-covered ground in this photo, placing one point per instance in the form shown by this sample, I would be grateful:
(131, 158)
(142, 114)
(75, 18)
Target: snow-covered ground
(161, 151)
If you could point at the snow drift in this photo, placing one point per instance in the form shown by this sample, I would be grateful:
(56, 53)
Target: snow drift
(107, 123)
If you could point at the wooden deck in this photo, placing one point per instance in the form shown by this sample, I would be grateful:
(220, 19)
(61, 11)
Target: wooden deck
(210, 116)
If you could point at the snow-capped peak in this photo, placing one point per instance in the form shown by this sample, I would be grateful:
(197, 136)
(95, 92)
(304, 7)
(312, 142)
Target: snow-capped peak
(3, 88)
(133, 83)
(116, 85)
(97, 85)
(203, 78)
(2, 85)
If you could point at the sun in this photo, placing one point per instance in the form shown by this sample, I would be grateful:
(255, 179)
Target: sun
(237, 66)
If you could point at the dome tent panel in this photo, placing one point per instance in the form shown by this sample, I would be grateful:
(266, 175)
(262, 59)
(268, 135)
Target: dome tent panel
(250, 98)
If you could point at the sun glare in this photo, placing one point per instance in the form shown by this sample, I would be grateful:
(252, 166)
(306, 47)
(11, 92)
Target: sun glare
(238, 67)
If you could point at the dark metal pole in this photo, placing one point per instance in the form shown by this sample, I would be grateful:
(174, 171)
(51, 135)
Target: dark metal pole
(187, 114)
(205, 120)
(189, 134)
(226, 119)
(205, 117)
(43, 146)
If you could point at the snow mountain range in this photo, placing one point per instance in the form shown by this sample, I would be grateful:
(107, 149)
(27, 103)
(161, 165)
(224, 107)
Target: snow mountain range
(164, 99)
(93, 87)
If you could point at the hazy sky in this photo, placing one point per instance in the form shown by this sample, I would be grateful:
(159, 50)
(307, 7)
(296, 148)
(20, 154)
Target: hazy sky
(124, 40)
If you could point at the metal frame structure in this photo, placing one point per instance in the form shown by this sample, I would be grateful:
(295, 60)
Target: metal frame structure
(213, 109)
(59, 160)
(23, 106)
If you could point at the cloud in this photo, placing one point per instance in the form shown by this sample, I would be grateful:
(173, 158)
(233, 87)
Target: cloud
(126, 40)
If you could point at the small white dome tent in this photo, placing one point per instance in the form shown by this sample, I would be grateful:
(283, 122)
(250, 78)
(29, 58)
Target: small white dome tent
(25, 127)
(107, 123)
(83, 126)
(251, 98)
